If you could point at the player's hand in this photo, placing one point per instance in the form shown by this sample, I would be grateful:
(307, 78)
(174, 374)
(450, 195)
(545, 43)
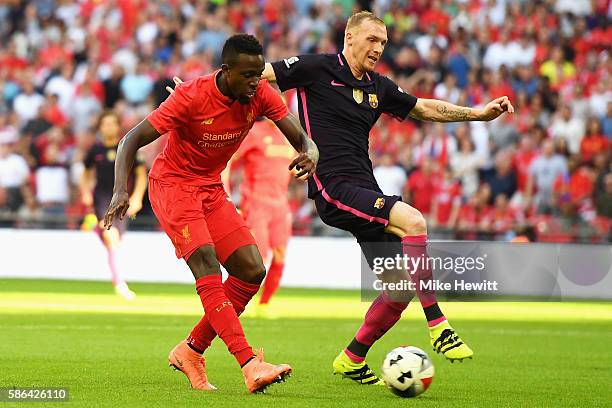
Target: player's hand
(134, 208)
(118, 207)
(496, 107)
(305, 163)
(177, 81)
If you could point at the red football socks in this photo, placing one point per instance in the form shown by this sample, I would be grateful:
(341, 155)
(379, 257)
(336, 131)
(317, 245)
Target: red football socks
(239, 293)
(222, 317)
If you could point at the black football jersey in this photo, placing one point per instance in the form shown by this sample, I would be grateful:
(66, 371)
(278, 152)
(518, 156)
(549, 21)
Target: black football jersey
(338, 111)
(102, 159)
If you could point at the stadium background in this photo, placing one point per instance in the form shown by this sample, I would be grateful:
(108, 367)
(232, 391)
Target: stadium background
(63, 62)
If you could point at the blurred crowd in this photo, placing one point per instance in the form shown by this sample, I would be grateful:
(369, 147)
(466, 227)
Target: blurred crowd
(543, 173)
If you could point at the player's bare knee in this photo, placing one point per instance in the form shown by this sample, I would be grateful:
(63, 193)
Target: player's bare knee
(416, 223)
(406, 220)
(204, 262)
(255, 272)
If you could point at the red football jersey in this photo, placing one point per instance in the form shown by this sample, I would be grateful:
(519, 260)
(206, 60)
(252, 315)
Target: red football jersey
(206, 128)
(266, 154)
(446, 195)
(421, 187)
(522, 161)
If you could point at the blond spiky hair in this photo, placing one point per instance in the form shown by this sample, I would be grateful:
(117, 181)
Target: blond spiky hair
(356, 19)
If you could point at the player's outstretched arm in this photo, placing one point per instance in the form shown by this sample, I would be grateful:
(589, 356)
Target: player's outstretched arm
(306, 162)
(140, 135)
(435, 110)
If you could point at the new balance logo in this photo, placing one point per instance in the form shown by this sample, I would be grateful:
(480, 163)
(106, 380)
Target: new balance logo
(208, 121)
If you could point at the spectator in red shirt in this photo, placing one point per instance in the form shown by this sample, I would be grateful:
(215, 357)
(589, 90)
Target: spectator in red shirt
(522, 160)
(12, 62)
(435, 16)
(446, 201)
(593, 141)
(472, 215)
(501, 218)
(474, 88)
(421, 185)
(52, 113)
(575, 186)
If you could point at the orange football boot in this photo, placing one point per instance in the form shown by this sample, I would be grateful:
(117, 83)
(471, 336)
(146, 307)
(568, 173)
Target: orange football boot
(259, 375)
(192, 364)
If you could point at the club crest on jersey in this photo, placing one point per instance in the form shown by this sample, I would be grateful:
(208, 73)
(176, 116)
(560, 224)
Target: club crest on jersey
(208, 121)
(380, 203)
(186, 234)
(358, 95)
(111, 155)
(373, 99)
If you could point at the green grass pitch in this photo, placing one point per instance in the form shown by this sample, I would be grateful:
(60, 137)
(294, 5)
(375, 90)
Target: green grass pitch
(112, 353)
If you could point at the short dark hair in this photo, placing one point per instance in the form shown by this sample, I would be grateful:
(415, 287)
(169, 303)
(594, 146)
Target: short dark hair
(240, 44)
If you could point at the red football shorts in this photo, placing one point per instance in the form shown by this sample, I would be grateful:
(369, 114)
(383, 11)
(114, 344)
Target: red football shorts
(195, 216)
(269, 223)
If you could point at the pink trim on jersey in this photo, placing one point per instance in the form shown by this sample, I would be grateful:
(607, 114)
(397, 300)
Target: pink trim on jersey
(317, 182)
(352, 210)
(368, 76)
(340, 60)
(345, 207)
(306, 121)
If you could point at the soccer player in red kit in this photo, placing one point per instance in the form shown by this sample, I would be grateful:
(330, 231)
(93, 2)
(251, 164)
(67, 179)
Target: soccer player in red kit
(206, 119)
(264, 202)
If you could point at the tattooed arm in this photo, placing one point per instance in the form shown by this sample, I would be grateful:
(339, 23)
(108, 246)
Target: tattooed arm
(439, 111)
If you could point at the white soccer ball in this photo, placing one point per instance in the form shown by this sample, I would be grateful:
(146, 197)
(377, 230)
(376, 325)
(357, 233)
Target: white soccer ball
(407, 371)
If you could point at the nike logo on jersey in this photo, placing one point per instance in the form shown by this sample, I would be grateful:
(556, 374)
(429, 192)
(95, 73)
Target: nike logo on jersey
(334, 83)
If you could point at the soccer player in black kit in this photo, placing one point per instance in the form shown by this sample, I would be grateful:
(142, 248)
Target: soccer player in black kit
(340, 98)
(97, 190)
